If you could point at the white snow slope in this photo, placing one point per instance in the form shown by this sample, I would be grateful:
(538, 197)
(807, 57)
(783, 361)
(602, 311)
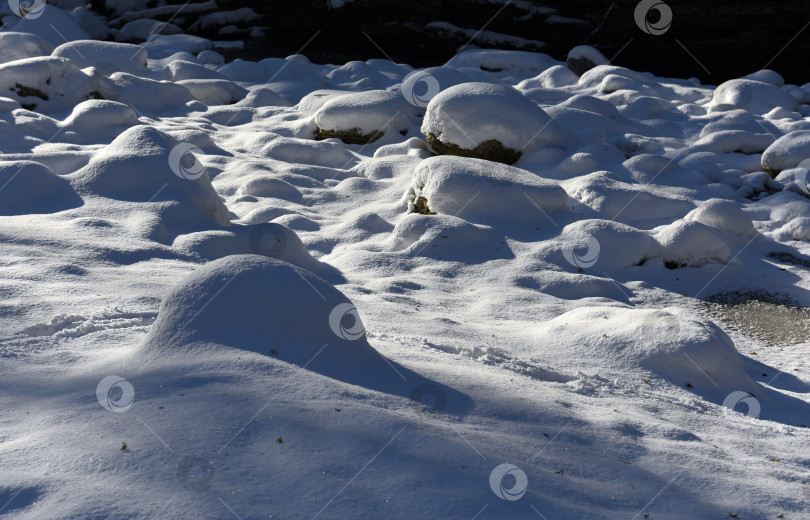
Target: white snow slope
(207, 313)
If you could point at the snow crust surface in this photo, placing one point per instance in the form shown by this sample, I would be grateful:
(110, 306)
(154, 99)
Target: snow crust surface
(207, 313)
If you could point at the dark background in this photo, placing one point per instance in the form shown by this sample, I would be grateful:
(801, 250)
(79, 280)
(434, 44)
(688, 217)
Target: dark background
(727, 38)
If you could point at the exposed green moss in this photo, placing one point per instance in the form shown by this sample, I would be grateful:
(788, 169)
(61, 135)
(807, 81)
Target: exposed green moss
(491, 150)
(353, 136)
(421, 206)
(24, 91)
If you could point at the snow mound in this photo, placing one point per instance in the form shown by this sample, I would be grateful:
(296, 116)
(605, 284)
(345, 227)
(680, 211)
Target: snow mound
(268, 239)
(771, 77)
(601, 246)
(180, 70)
(583, 58)
(470, 114)
(515, 63)
(666, 344)
(787, 151)
(755, 96)
(263, 97)
(420, 86)
(214, 91)
(30, 187)
(144, 94)
(690, 243)
(367, 112)
(146, 27)
(645, 206)
(475, 189)
(725, 216)
(162, 46)
(54, 25)
(286, 313)
(47, 84)
(145, 165)
(98, 121)
(553, 77)
(91, 53)
(17, 46)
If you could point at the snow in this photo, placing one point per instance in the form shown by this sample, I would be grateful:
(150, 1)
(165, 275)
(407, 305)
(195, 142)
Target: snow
(370, 111)
(275, 326)
(471, 113)
(91, 53)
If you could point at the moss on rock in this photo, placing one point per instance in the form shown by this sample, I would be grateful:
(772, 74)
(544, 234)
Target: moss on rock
(490, 150)
(421, 206)
(352, 136)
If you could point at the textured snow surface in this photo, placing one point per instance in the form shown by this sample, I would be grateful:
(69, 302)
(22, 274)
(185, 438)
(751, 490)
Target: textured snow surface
(207, 313)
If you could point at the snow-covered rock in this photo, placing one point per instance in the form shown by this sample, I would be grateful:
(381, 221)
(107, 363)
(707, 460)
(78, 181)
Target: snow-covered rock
(17, 46)
(478, 190)
(724, 215)
(755, 96)
(690, 243)
(583, 58)
(490, 122)
(46, 84)
(787, 152)
(362, 117)
(92, 53)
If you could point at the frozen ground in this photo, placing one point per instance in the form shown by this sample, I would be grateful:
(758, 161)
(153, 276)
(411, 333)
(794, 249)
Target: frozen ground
(208, 313)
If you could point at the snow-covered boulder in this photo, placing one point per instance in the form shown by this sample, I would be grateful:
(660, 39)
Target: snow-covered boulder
(603, 246)
(45, 84)
(490, 122)
(476, 190)
(98, 121)
(263, 97)
(755, 96)
(725, 216)
(214, 91)
(91, 53)
(17, 46)
(583, 58)
(690, 243)
(363, 117)
(138, 30)
(31, 187)
(144, 94)
(146, 165)
(52, 17)
(787, 152)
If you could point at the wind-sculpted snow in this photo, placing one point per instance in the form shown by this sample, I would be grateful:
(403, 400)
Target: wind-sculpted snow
(288, 289)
